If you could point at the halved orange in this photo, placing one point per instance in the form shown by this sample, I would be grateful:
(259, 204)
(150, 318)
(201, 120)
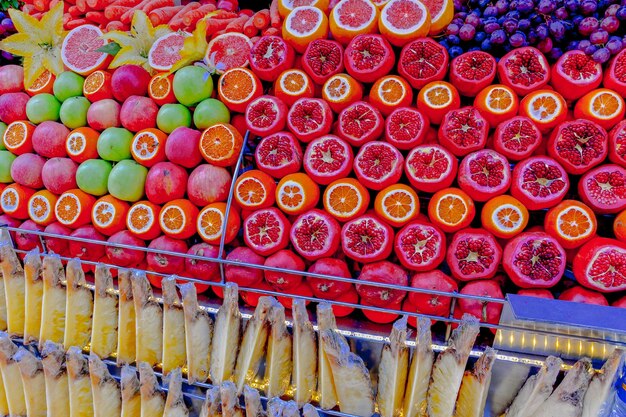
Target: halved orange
(178, 219)
(43, 84)
(341, 90)
(293, 84)
(109, 214)
(297, 193)
(346, 199)
(148, 147)
(161, 90)
(304, 25)
(380, 3)
(350, 18)
(255, 189)
(504, 216)
(390, 92)
(220, 144)
(571, 223)
(41, 207)
(619, 226)
(451, 209)
(436, 99)
(497, 103)
(237, 87)
(18, 137)
(603, 106)
(211, 221)
(14, 200)
(441, 14)
(546, 108)
(73, 208)
(82, 144)
(97, 86)
(286, 6)
(397, 204)
(402, 21)
(142, 220)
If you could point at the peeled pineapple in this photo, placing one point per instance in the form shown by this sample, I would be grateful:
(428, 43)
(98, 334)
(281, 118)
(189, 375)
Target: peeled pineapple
(601, 384)
(152, 398)
(392, 371)
(33, 381)
(11, 376)
(475, 387)
(252, 401)
(278, 357)
(230, 400)
(567, 399)
(148, 322)
(107, 399)
(4, 405)
(211, 403)
(414, 403)
(126, 331)
(291, 409)
(131, 395)
(14, 289)
(198, 329)
(33, 276)
(304, 373)
(175, 403)
(55, 373)
(309, 411)
(78, 307)
(79, 383)
(174, 355)
(53, 301)
(226, 336)
(325, 381)
(275, 407)
(105, 314)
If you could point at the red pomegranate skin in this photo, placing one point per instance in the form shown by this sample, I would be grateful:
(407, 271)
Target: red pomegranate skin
(382, 272)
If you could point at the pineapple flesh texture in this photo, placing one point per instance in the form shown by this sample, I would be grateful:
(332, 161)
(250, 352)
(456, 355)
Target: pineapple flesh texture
(252, 401)
(104, 327)
(475, 387)
(81, 399)
(174, 354)
(148, 322)
(107, 400)
(309, 411)
(304, 373)
(198, 330)
(126, 334)
(325, 382)
(414, 403)
(4, 405)
(291, 409)
(14, 289)
(601, 385)
(33, 381)
(131, 395)
(78, 307)
(11, 376)
(230, 400)
(152, 398)
(448, 369)
(226, 335)
(53, 302)
(175, 403)
(3, 307)
(392, 371)
(33, 276)
(253, 344)
(275, 407)
(536, 389)
(567, 399)
(55, 373)
(278, 356)
(211, 402)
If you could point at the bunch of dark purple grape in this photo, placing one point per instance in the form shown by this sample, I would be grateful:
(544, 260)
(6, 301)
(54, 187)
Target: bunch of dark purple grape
(6, 28)
(552, 26)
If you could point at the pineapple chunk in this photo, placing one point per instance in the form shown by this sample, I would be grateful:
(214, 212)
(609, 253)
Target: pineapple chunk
(152, 398)
(392, 371)
(175, 403)
(33, 275)
(567, 398)
(211, 402)
(104, 327)
(55, 373)
(148, 323)
(536, 389)
(174, 355)
(53, 302)
(33, 381)
(14, 289)
(291, 409)
(325, 382)
(475, 387)
(81, 399)
(4, 405)
(309, 411)
(275, 407)
(252, 401)
(600, 388)
(226, 334)
(107, 400)
(11, 376)
(126, 334)
(230, 400)
(198, 330)
(304, 374)
(131, 396)
(78, 307)
(414, 403)
(3, 307)
(278, 357)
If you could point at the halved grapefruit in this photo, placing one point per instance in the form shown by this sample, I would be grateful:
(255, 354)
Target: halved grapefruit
(80, 50)
(304, 25)
(402, 21)
(286, 6)
(41, 207)
(350, 18)
(229, 50)
(165, 51)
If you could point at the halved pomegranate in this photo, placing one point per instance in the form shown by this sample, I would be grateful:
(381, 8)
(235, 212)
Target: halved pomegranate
(278, 155)
(615, 74)
(579, 294)
(524, 70)
(617, 144)
(534, 260)
(322, 59)
(575, 74)
(604, 189)
(578, 145)
(383, 272)
(484, 174)
(422, 61)
(266, 115)
(472, 71)
(367, 239)
(309, 118)
(406, 127)
(430, 168)
(271, 55)
(420, 246)
(369, 57)
(330, 289)
(315, 234)
(517, 138)
(432, 304)
(485, 311)
(359, 123)
(463, 131)
(539, 182)
(473, 254)
(327, 159)
(378, 165)
(600, 264)
(265, 231)
(286, 260)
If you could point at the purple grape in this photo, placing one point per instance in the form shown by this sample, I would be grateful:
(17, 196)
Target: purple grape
(572, 46)
(621, 13)
(498, 37)
(576, 20)
(524, 25)
(589, 6)
(545, 45)
(532, 37)
(517, 39)
(7, 24)
(557, 29)
(610, 24)
(602, 55)
(542, 31)
(525, 6)
(572, 5)
(510, 26)
(591, 49)
(467, 32)
(546, 6)
(2, 15)
(2, 30)
(555, 53)
(614, 46)
(584, 44)
(587, 26)
(461, 15)
(561, 13)
(491, 27)
(453, 39)
(612, 10)
(598, 37)
(502, 6)
(490, 11)
(452, 29)
(455, 51)
(480, 36)
(473, 20)
(8, 56)
(457, 21)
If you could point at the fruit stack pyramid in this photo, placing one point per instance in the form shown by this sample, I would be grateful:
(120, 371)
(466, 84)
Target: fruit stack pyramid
(374, 151)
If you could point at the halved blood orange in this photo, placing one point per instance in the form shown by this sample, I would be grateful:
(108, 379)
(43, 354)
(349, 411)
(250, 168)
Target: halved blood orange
(571, 223)
(402, 21)
(178, 219)
(142, 220)
(43, 84)
(341, 90)
(41, 207)
(390, 92)
(82, 144)
(293, 84)
(504, 216)
(619, 226)
(346, 199)
(304, 25)
(211, 220)
(148, 147)
(97, 86)
(14, 200)
(497, 103)
(441, 14)
(451, 209)
(18, 137)
(228, 50)
(237, 87)
(221, 144)
(160, 89)
(108, 215)
(73, 208)
(397, 204)
(603, 106)
(546, 108)
(297, 193)
(350, 18)
(255, 189)
(436, 99)
(286, 6)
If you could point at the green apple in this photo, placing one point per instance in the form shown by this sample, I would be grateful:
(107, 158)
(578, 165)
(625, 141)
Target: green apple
(92, 176)
(68, 84)
(171, 116)
(3, 127)
(192, 85)
(114, 144)
(209, 112)
(43, 107)
(127, 180)
(6, 160)
(74, 112)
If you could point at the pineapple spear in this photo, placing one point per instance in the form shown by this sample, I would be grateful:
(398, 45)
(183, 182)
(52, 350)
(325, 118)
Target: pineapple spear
(230, 400)
(601, 384)
(53, 301)
(211, 402)
(309, 411)
(81, 399)
(325, 382)
(175, 403)
(11, 375)
(174, 355)
(198, 329)
(392, 371)
(252, 401)
(3, 306)
(4, 405)
(104, 328)
(107, 400)
(55, 373)
(227, 331)
(33, 276)
(131, 395)
(414, 403)
(14, 289)
(278, 357)
(33, 381)
(475, 387)
(148, 322)
(304, 373)
(536, 389)
(126, 332)
(275, 407)
(291, 409)
(567, 399)
(152, 398)
(78, 306)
